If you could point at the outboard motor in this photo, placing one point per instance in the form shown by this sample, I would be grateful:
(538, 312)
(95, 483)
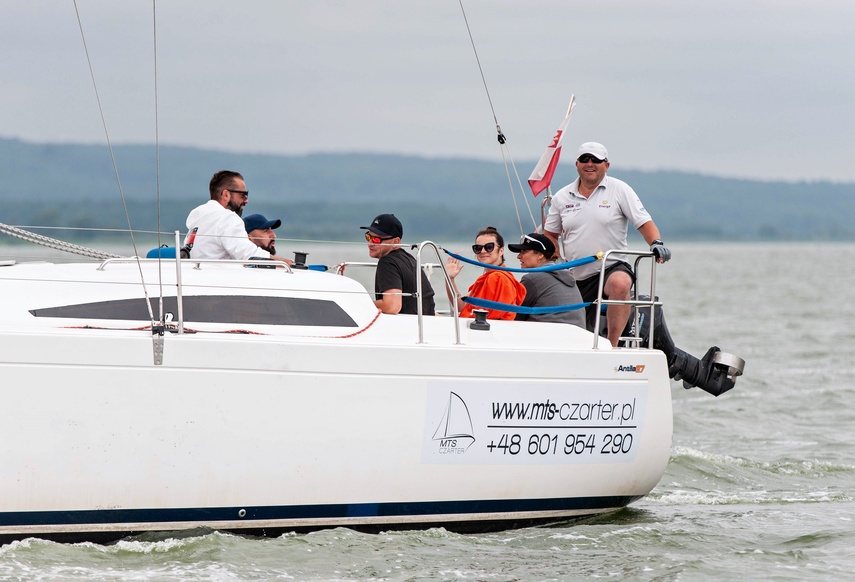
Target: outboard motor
(715, 373)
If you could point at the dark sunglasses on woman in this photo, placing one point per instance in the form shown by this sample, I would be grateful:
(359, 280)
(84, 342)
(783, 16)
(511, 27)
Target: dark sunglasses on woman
(489, 247)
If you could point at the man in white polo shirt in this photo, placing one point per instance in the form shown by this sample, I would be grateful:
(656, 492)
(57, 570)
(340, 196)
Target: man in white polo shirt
(217, 225)
(592, 215)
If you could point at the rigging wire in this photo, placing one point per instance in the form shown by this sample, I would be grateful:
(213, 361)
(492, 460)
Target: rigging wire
(157, 159)
(112, 155)
(500, 135)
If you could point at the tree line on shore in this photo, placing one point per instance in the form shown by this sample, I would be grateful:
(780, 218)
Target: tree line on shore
(328, 196)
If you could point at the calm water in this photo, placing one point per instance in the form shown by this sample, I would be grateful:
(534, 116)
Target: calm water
(760, 484)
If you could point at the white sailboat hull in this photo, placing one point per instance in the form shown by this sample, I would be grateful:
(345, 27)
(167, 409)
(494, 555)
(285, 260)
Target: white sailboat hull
(288, 427)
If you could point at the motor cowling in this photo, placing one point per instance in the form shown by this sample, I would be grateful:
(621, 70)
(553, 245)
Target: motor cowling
(715, 373)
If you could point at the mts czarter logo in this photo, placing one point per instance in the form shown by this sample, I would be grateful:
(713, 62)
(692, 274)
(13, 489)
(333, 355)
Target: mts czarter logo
(630, 368)
(454, 433)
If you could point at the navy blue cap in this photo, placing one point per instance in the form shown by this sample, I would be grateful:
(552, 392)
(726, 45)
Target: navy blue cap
(257, 221)
(386, 225)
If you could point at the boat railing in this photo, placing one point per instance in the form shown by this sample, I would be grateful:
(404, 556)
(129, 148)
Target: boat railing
(427, 267)
(340, 268)
(447, 280)
(179, 291)
(198, 262)
(651, 302)
(633, 340)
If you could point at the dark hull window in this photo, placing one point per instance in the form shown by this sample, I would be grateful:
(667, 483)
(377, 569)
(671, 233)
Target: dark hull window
(214, 309)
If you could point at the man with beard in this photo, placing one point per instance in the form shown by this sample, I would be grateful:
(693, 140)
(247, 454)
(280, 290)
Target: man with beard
(260, 232)
(217, 225)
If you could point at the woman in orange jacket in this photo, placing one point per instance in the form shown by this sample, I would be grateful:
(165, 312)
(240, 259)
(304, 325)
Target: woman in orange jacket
(492, 285)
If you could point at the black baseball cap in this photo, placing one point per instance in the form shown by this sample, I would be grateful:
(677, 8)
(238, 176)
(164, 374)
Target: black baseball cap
(386, 225)
(534, 242)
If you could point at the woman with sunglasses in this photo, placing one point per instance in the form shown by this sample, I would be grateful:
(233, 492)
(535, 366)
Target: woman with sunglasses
(492, 285)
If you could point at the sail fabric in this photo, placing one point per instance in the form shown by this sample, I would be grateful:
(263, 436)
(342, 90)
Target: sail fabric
(541, 177)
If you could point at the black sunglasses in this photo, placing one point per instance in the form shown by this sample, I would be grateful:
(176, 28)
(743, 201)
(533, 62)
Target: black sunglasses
(585, 158)
(244, 193)
(489, 247)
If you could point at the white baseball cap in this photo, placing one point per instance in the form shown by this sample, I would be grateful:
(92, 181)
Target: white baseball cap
(597, 150)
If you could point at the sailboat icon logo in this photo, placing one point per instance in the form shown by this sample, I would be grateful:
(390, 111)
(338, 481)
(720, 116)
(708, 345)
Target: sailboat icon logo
(454, 433)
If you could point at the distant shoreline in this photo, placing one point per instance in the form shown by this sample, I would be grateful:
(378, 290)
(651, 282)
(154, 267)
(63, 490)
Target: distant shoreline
(328, 196)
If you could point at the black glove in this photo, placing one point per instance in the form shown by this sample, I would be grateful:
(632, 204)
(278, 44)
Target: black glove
(660, 251)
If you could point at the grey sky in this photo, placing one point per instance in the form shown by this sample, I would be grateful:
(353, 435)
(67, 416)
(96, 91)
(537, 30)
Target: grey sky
(744, 88)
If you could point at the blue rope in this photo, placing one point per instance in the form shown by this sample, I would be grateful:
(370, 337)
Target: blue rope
(556, 267)
(478, 302)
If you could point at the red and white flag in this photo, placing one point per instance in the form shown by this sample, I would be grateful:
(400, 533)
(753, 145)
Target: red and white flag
(541, 177)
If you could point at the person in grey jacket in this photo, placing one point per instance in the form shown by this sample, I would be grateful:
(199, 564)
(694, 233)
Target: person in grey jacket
(549, 288)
